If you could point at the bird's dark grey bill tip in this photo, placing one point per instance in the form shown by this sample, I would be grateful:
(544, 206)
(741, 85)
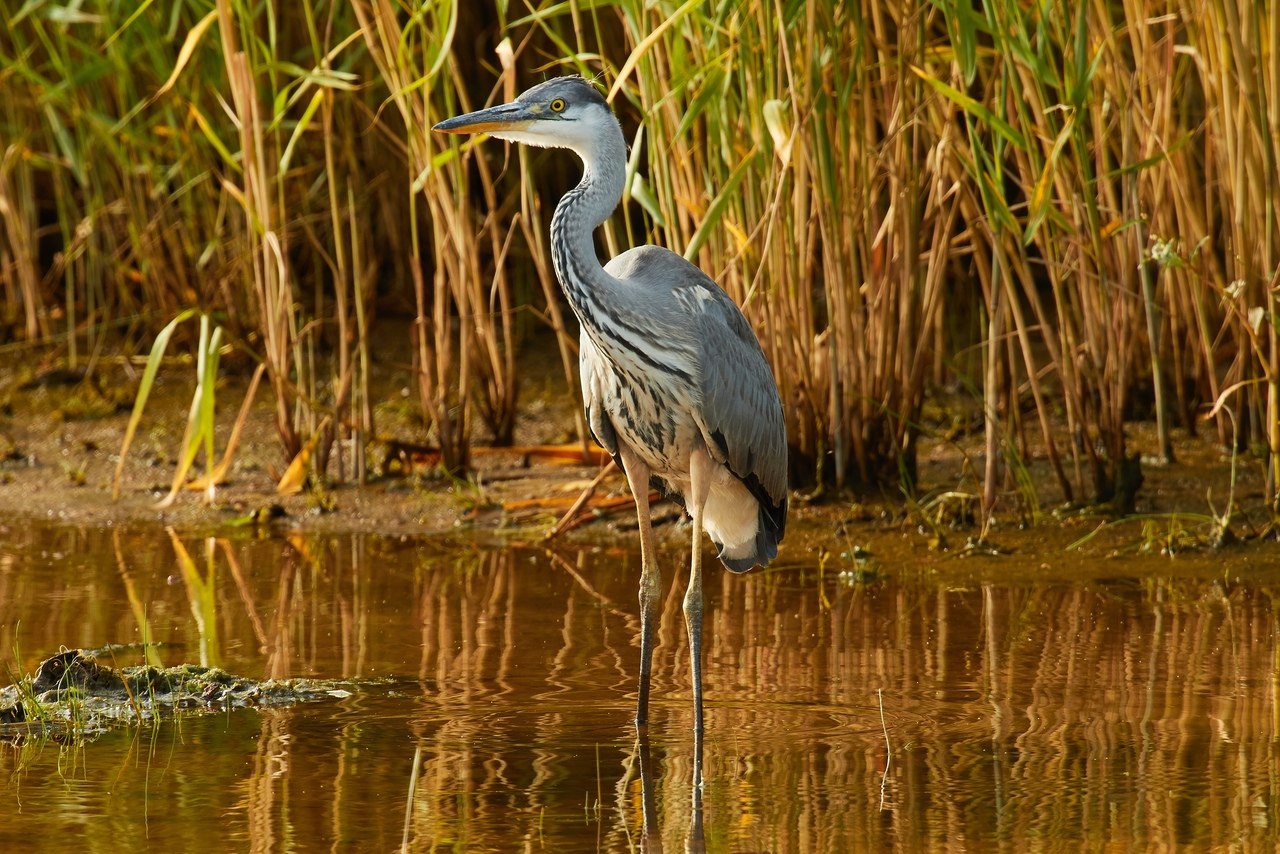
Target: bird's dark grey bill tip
(453, 124)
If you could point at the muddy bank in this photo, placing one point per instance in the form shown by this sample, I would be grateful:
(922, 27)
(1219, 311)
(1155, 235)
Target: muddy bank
(61, 435)
(60, 440)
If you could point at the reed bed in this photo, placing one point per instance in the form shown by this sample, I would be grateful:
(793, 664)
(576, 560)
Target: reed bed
(1066, 212)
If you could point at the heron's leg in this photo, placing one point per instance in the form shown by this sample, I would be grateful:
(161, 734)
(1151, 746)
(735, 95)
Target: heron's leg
(700, 474)
(650, 577)
(651, 838)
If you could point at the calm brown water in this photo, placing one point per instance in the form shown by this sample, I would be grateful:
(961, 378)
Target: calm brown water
(1135, 711)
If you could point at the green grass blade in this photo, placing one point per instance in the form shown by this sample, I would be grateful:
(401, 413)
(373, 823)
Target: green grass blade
(144, 391)
(973, 108)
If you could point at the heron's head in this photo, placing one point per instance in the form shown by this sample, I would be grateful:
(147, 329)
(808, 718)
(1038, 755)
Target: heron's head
(567, 112)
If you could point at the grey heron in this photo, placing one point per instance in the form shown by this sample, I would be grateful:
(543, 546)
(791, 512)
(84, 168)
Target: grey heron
(675, 383)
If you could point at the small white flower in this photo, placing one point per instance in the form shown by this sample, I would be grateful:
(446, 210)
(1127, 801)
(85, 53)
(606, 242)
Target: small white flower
(1162, 251)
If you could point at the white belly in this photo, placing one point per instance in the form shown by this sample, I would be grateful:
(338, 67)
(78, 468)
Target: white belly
(660, 429)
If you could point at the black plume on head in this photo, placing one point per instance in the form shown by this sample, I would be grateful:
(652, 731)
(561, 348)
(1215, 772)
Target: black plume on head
(572, 88)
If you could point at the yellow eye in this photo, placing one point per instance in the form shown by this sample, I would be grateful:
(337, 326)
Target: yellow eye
(557, 105)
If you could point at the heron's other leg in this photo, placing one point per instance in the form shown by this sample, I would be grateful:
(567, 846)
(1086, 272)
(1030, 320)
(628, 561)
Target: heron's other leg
(701, 469)
(650, 577)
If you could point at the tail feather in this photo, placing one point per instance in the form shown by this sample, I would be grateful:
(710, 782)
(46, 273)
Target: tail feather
(764, 548)
(770, 523)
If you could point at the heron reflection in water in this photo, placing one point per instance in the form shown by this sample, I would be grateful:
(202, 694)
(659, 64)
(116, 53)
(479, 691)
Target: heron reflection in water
(675, 383)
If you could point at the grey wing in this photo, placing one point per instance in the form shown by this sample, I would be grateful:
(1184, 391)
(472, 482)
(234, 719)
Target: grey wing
(741, 415)
(591, 367)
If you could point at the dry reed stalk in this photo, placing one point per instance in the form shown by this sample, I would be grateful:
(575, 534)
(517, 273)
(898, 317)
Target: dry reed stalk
(486, 313)
(466, 331)
(268, 260)
(536, 232)
(17, 257)
(433, 355)
(344, 281)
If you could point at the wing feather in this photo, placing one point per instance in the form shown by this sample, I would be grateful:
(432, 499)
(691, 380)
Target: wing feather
(739, 413)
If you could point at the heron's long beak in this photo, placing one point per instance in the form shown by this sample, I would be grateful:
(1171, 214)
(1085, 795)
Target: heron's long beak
(513, 116)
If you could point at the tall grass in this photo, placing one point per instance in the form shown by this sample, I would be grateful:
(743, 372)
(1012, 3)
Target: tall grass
(1068, 209)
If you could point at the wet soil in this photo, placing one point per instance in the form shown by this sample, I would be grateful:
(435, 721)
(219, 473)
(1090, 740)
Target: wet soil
(61, 435)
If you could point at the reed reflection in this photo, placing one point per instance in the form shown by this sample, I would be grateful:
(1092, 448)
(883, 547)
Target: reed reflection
(1125, 713)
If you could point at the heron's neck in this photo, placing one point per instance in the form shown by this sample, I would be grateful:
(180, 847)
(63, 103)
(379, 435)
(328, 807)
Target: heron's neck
(577, 216)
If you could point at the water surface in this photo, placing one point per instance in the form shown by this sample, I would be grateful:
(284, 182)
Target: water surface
(984, 706)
